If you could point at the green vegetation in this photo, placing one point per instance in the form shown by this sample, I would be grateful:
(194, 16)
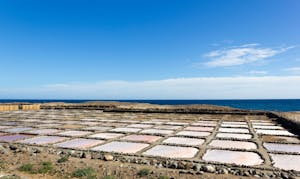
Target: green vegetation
(108, 177)
(86, 172)
(28, 167)
(2, 164)
(163, 177)
(143, 172)
(10, 177)
(45, 167)
(63, 159)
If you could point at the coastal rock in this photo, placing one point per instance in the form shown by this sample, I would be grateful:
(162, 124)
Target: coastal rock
(209, 168)
(108, 157)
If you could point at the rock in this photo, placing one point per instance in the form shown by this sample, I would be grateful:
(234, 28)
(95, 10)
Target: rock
(108, 157)
(181, 165)
(224, 171)
(174, 165)
(3, 150)
(197, 167)
(12, 147)
(284, 175)
(246, 173)
(209, 168)
(200, 173)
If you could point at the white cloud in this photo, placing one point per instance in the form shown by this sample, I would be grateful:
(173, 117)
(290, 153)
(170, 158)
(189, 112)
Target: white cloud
(293, 69)
(258, 72)
(242, 87)
(240, 55)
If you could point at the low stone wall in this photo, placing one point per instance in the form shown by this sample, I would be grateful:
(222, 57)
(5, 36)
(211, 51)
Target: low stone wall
(16, 107)
(9, 107)
(31, 107)
(288, 120)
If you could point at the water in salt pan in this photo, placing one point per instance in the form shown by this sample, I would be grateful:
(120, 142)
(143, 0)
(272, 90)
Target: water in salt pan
(233, 130)
(97, 128)
(184, 141)
(152, 122)
(234, 122)
(286, 162)
(140, 125)
(89, 123)
(142, 138)
(235, 125)
(126, 129)
(204, 124)
(43, 131)
(234, 135)
(157, 131)
(171, 151)
(168, 127)
(79, 143)
(106, 135)
(4, 127)
(48, 125)
(121, 147)
(229, 144)
(43, 140)
(17, 129)
(267, 127)
(128, 121)
(273, 132)
(74, 133)
(204, 129)
(13, 138)
(282, 147)
(233, 157)
(177, 123)
(263, 123)
(193, 134)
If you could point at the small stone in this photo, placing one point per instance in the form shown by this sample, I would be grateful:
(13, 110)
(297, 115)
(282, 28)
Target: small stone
(284, 175)
(209, 168)
(224, 171)
(246, 173)
(174, 165)
(197, 167)
(108, 157)
(12, 147)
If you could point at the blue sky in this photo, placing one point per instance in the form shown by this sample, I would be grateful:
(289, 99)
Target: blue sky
(150, 49)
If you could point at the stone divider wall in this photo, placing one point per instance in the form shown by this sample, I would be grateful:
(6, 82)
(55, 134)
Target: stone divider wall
(16, 107)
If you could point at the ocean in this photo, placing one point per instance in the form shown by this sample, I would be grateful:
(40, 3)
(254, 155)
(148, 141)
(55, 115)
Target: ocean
(282, 105)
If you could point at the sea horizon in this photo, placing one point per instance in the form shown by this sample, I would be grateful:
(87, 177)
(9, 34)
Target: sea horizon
(281, 105)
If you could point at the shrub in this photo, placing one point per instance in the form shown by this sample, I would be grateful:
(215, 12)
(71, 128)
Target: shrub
(45, 167)
(63, 159)
(28, 167)
(143, 172)
(86, 172)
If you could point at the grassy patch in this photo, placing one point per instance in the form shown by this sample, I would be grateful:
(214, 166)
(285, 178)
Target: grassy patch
(143, 172)
(86, 172)
(108, 177)
(2, 164)
(10, 177)
(28, 167)
(45, 167)
(163, 177)
(63, 159)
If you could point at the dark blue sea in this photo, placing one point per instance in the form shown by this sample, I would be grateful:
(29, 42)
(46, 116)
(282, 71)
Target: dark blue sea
(270, 104)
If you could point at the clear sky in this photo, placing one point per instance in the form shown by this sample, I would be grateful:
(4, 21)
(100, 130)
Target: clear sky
(150, 49)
